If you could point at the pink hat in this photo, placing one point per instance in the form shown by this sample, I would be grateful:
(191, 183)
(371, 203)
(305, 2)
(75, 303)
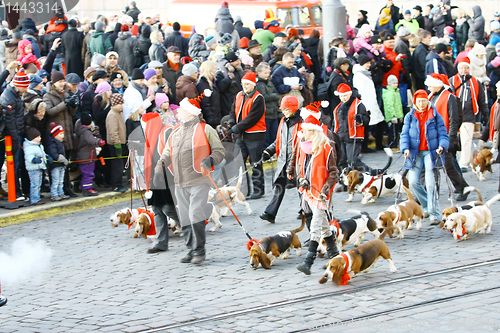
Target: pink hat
(160, 98)
(102, 88)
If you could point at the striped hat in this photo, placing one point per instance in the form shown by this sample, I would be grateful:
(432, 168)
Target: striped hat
(192, 105)
(55, 129)
(21, 79)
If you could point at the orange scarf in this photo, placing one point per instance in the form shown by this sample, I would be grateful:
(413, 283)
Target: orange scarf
(175, 67)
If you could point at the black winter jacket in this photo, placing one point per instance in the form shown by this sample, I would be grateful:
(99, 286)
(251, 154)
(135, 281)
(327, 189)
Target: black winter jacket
(176, 39)
(419, 61)
(256, 111)
(13, 110)
(54, 148)
(210, 106)
(99, 115)
(271, 96)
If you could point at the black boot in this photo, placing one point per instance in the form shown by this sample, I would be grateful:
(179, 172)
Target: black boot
(188, 238)
(199, 243)
(331, 247)
(305, 267)
(309, 217)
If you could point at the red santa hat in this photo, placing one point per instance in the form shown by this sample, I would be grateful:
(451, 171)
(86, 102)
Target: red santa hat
(464, 60)
(437, 80)
(192, 105)
(343, 89)
(312, 123)
(250, 77)
(313, 109)
(290, 102)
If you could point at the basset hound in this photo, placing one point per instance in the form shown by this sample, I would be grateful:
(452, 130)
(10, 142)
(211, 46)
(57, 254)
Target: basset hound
(233, 196)
(481, 162)
(453, 209)
(352, 230)
(269, 249)
(469, 222)
(373, 187)
(346, 265)
(400, 217)
(126, 216)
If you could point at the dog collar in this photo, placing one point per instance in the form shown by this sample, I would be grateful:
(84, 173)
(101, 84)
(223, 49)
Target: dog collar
(475, 158)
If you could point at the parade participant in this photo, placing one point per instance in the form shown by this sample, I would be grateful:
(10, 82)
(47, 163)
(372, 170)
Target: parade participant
(447, 106)
(473, 100)
(248, 122)
(316, 170)
(350, 119)
(423, 137)
(283, 146)
(192, 150)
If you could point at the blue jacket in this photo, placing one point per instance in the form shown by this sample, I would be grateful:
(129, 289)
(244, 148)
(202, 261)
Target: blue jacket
(32, 150)
(434, 64)
(54, 149)
(283, 72)
(435, 132)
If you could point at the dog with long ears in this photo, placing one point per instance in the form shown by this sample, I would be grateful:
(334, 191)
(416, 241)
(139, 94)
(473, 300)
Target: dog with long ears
(401, 217)
(481, 162)
(454, 209)
(125, 216)
(371, 184)
(351, 230)
(233, 196)
(346, 265)
(269, 249)
(469, 222)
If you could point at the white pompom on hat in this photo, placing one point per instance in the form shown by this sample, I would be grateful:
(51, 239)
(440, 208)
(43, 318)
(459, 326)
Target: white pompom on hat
(313, 109)
(312, 123)
(192, 105)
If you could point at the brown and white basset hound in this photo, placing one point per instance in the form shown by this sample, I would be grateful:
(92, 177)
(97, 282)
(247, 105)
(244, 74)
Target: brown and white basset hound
(373, 187)
(454, 209)
(125, 216)
(400, 217)
(481, 162)
(270, 248)
(346, 265)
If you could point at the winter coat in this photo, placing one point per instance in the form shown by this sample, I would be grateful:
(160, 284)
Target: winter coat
(99, 114)
(181, 159)
(185, 87)
(388, 26)
(393, 107)
(59, 113)
(268, 53)
(11, 51)
(435, 133)
(224, 21)
(26, 58)
(476, 25)
(395, 16)
(115, 128)
(30, 95)
(171, 76)
(243, 31)
(253, 117)
(86, 58)
(402, 46)
(133, 96)
(343, 118)
(176, 39)
(157, 51)
(362, 80)
(99, 43)
(338, 77)
(434, 64)
(72, 42)
(283, 72)
(124, 46)
(34, 44)
(228, 88)
(114, 36)
(197, 47)
(14, 115)
(133, 13)
(86, 143)
(466, 100)
(40, 124)
(421, 21)
(48, 40)
(32, 150)
(264, 37)
(361, 41)
(271, 96)
(461, 33)
(210, 106)
(478, 65)
(419, 61)
(429, 26)
(54, 149)
(440, 20)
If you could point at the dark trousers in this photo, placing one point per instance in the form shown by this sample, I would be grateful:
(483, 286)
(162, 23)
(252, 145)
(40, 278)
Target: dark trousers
(393, 131)
(87, 171)
(116, 166)
(271, 131)
(253, 149)
(456, 177)
(279, 193)
(102, 172)
(161, 224)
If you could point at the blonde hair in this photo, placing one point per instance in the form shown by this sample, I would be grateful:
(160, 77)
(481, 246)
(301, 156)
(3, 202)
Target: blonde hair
(105, 100)
(206, 69)
(318, 140)
(155, 36)
(134, 116)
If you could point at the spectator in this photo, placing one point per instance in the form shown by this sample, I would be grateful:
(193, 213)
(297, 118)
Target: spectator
(168, 116)
(224, 24)
(337, 49)
(172, 69)
(186, 84)
(72, 43)
(477, 57)
(143, 45)
(340, 75)
(409, 22)
(228, 80)
(393, 109)
(362, 18)
(279, 41)
(393, 13)
(98, 61)
(29, 34)
(124, 46)
(402, 46)
(72, 81)
(116, 81)
(418, 59)
(99, 42)
(461, 29)
(476, 25)
(288, 80)
(429, 26)
(89, 95)
(417, 15)
(210, 105)
(26, 55)
(272, 99)
(396, 68)
(363, 40)
(264, 37)
(35, 90)
(441, 17)
(385, 21)
(133, 11)
(36, 160)
(83, 86)
(114, 35)
(134, 119)
(157, 50)
(101, 107)
(135, 93)
(56, 151)
(11, 50)
(35, 118)
(254, 50)
(197, 47)
(176, 39)
(242, 31)
(435, 60)
(113, 67)
(116, 137)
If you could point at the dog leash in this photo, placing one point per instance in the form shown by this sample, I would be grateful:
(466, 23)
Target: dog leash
(254, 165)
(400, 183)
(227, 204)
(451, 195)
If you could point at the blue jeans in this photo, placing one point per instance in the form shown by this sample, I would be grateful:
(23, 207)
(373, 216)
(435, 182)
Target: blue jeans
(56, 188)
(427, 199)
(36, 177)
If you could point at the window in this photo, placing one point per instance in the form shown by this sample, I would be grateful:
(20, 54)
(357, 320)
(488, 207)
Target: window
(303, 16)
(285, 16)
(316, 12)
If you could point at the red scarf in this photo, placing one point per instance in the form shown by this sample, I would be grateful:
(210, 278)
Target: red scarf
(345, 277)
(175, 67)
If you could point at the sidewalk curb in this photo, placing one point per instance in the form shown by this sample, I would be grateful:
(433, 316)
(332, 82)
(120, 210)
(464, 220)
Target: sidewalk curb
(64, 208)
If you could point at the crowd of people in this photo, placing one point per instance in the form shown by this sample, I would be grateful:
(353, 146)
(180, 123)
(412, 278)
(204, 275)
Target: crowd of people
(419, 81)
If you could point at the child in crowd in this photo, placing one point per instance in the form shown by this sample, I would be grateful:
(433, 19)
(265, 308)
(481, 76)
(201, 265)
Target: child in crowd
(116, 137)
(167, 112)
(26, 55)
(134, 119)
(86, 152)
(393, 109)
(55, 148)
(35, 160)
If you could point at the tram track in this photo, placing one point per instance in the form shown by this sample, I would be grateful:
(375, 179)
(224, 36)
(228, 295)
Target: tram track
(233, 314)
